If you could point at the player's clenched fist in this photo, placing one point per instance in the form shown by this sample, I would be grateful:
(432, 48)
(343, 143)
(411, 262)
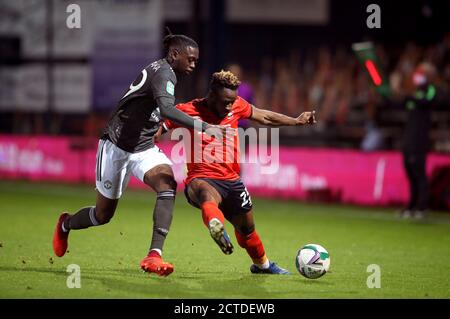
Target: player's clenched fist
(306, 118)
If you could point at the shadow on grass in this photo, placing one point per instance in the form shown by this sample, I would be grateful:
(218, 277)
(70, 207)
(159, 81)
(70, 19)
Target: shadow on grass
(58, 272)
(131, 283)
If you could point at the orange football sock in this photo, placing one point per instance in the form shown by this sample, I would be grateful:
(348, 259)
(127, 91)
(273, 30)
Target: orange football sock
(211, 210)
(253, 245)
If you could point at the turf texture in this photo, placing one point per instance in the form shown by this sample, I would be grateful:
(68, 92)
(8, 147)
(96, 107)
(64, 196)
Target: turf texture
(413, 257)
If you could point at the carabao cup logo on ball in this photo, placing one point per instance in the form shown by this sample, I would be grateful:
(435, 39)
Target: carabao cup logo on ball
(312, 261)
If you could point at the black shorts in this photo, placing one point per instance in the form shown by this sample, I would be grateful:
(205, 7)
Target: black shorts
(235, 197)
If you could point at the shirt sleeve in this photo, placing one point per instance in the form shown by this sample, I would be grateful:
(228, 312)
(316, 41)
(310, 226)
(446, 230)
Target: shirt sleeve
(245, 108)
(168, 124)
(169, 112)
(163, 85)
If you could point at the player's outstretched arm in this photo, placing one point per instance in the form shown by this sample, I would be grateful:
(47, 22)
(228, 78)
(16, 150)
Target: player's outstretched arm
(270, 118)
(168, 111)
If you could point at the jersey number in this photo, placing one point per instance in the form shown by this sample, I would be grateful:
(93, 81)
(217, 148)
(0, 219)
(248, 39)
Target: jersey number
(245, 198)
(134, 88)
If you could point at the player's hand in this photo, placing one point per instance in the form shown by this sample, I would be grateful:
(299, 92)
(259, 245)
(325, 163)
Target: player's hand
(306, 118)
(158, 134)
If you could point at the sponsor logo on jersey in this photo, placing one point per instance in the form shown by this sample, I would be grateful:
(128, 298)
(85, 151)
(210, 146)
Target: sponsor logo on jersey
(155, 66)
(170, 88)
(134, 88)
(155, 117)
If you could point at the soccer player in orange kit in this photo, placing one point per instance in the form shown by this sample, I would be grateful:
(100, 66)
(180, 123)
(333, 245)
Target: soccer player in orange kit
(215, 186)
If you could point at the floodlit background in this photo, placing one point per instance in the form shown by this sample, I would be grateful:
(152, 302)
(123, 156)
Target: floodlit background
(292, 56)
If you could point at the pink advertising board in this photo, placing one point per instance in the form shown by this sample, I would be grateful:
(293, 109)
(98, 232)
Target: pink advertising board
(349, 176)
(66, 159)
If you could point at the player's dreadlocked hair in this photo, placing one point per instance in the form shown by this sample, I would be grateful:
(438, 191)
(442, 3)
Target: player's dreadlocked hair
(177, 40)
(224, 79)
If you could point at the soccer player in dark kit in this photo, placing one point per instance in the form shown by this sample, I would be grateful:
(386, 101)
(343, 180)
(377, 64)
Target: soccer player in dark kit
(127, 147)
(213, 184)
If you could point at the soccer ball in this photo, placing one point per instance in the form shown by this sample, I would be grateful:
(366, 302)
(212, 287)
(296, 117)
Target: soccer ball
(312, 261)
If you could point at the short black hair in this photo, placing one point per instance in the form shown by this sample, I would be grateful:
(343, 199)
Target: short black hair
(179, 41)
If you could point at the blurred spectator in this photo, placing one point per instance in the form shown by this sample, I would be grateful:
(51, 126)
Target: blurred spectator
(328, 79)
(245, 89)
(332, 82)
(416, 141)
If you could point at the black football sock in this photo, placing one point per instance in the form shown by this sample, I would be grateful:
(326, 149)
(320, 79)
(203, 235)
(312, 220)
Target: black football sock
(162, 218)
(84, 218)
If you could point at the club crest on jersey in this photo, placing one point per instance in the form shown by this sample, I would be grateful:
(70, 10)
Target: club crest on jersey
(107, 184)
(170, 88)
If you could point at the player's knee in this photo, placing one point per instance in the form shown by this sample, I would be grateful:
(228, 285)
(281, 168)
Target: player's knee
(205, 196)
(246, 229)
(163, 182)
(166, 184)
(161, 178)
(172, 183)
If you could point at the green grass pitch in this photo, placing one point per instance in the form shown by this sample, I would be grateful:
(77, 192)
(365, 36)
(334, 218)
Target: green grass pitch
(414, 258)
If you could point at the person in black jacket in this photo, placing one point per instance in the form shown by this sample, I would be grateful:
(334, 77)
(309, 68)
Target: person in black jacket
(416, 140)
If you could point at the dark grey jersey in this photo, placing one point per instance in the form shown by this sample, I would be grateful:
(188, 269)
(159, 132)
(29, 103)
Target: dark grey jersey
(137, 116)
